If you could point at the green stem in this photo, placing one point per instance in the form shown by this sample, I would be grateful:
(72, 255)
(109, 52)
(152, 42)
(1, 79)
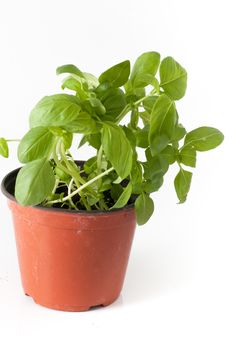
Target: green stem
(73, 173)
(123, 113)
(82, 187)
(99, 161)
(55, 186)
(69, 192)
(145, 97)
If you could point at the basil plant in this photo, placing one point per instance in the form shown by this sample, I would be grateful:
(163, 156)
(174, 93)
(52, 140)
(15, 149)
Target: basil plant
(121, 111)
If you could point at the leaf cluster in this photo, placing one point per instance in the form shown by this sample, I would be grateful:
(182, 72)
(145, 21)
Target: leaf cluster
(96, 108)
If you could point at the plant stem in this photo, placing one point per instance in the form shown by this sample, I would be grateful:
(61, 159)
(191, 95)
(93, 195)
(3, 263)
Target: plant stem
(56, 185)
(69, 192)
(144, 98)
(99, 161)
(123, 113)
(73, 173)
(82, 187)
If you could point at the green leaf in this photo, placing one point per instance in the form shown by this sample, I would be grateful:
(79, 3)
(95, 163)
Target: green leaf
(144, 208)
(94, 140)
(114, 102)
(136, 173)
(142, 80)
(179, 133)
(163, 120)
(116, 191)
(56, 110)
(61, 175)
(36, 144)
(69, 68)
(142, 137)
(149, 102)
(34, 182)
(182, 184)
(173, 78)
(154, 166)
(4, 149)
(67, 139)
(188, 156)
(83, 124)
(147, 63)
(117, 149)
(116, 75)
(74, 85)
(97, 105)
(130, 136)
(154, 184)
(169, 154)
(91, 80)
(124, 197)
(204, 138)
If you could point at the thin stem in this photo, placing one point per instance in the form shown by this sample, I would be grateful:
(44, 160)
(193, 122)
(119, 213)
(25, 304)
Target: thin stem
(69, 192)
(123, 113)
(55, 186)
(73, 173)
(99, 161)
(144, 98)
(82, 187)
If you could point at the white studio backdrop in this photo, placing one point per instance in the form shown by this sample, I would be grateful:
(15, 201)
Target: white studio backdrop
(177, 293)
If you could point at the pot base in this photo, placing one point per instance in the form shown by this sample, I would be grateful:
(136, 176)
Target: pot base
(72, 308)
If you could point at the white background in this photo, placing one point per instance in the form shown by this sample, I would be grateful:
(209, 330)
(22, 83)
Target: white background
(178, 289)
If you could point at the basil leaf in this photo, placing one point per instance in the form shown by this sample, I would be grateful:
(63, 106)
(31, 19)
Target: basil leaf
(34, 182)
(130, 136)
(163, 120)
(142, 80)
(74, 85)
(179, 133)
(36, 144)
(124, 197)
(91, 80)
(169, 154)
(69, 68)
(136, 173)
(114, 102)
(154, 184)
(94, 140)
(97, 105)
(173, 78)
(147, 63)
(116, 191)
(204, 138)
(4, 149)
(188, 156)
(83, 124)
(117, 149)
(116, 75)
(155, 166)
(149, 102)
(182, 184)
(144, 208)
(55, 110)
(142, 137)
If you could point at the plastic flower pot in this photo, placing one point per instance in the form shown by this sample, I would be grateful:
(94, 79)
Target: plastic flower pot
(70, 260)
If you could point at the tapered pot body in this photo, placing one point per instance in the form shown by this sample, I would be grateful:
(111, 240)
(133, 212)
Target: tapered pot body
(70, 260)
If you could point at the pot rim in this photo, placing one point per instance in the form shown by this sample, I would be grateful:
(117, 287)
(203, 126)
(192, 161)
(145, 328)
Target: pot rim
(13, 173)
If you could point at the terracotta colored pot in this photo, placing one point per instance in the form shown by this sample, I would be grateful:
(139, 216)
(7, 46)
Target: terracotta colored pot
(70, 260)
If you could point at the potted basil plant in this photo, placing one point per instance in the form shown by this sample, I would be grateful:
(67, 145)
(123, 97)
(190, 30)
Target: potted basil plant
(75, 220)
